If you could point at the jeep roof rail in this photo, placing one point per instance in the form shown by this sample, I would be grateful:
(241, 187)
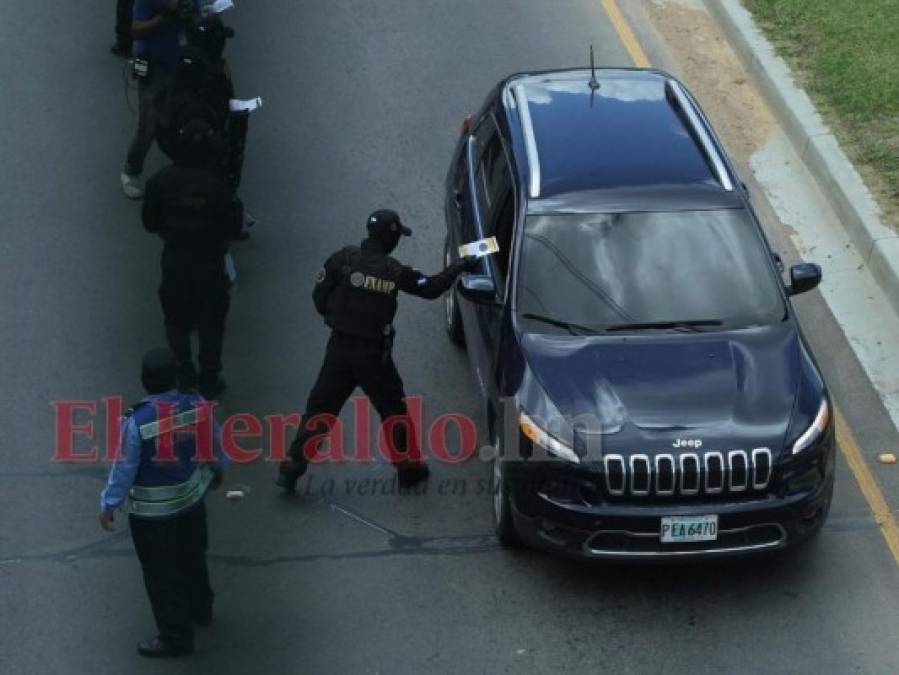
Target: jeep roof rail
(530, 141)
(678, 97)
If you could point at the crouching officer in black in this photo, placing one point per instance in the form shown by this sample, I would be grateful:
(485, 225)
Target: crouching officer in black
(164, 491)
(356, 293)
(192, 206)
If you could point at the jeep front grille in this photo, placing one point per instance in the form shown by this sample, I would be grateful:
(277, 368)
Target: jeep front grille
(688, 474)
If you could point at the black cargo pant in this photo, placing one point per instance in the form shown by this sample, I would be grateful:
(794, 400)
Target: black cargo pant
(172, 555)
(123, 20)
(352, 362)
(238, 125)
(194, 294)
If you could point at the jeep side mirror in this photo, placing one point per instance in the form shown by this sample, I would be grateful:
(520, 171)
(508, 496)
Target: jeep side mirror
(478, 288)
(804, 277)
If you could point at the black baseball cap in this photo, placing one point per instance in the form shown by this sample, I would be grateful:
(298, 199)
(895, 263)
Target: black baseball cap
(385, 221)
(159, 370)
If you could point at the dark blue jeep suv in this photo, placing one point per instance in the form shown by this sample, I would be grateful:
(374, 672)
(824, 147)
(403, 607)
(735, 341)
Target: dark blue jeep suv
(648, 390)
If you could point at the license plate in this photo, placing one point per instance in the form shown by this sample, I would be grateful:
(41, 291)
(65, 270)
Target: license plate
(678, 529)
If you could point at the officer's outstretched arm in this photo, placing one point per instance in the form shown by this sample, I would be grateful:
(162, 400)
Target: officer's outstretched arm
(413, 282)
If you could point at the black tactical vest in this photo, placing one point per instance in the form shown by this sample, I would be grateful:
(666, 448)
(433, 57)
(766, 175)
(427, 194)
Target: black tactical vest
(364, 301)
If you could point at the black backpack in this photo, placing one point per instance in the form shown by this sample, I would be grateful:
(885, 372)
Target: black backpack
(201, 90)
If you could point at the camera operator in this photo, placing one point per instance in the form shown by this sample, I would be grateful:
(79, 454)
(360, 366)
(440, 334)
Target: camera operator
(158, 28)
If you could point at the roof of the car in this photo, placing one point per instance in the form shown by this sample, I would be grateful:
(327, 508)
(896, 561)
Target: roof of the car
(637, 129)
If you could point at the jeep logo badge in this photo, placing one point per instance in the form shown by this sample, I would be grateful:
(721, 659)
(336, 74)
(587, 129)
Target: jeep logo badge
(694, 443)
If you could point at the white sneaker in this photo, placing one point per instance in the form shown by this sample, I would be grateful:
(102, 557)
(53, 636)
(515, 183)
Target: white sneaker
(131, 186)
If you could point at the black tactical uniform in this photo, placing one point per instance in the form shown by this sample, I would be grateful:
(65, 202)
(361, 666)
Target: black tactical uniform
(356, 293)
(210, 35)
(193, 208)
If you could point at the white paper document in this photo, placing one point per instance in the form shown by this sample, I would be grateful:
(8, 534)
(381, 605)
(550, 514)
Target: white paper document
(480, 248)
(220, 6)
(249, 105)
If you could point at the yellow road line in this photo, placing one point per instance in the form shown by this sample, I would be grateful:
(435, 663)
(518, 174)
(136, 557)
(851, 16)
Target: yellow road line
(883, 515)
(638, 56)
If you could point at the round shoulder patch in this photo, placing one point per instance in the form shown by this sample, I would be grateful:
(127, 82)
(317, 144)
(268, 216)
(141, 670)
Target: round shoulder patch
(357, 279)
(320, 277)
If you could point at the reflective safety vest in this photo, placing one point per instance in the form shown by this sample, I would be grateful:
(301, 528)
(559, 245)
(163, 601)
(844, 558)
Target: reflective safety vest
(166, 501)
(166, 488)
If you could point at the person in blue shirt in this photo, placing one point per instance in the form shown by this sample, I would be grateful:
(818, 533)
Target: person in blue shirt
(158, 29)
(160, 472)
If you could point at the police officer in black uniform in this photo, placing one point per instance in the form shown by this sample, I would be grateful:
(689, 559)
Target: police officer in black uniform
(192, 206)
(356, 292)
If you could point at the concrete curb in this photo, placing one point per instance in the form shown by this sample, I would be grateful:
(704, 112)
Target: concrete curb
(877, 244)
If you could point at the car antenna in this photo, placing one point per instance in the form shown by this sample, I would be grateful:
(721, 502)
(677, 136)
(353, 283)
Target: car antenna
(594, 83)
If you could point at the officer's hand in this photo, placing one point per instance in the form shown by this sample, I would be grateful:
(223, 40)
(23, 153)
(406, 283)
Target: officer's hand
(469, 263)
(106, 518)
(217, 476)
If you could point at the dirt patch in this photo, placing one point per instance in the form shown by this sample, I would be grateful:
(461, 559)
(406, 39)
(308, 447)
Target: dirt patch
(712, 70)
(739, 113)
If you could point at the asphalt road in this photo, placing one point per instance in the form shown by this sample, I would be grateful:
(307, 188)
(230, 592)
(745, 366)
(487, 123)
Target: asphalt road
(363, 101)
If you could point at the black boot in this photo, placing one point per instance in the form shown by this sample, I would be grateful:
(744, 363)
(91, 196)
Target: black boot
(157, 648)
(411, 473)
(289, 472)
(292, 469)
(211, 386)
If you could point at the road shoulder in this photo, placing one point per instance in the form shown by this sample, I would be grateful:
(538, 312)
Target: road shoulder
(816, 145)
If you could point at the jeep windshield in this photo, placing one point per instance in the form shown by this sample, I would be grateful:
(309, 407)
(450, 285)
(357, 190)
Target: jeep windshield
(629, 272)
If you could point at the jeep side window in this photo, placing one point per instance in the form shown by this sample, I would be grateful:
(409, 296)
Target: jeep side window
(505, 223)
(496, 203)
(489, 150)
(460, 179)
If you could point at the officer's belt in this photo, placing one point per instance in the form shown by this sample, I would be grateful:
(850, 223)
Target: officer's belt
(164, 501)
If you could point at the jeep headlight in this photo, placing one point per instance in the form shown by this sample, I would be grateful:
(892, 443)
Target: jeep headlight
(545, 440)
(818, 427)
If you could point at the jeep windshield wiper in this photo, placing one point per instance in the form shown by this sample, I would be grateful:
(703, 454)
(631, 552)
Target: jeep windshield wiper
(573, 328)
(690, 325)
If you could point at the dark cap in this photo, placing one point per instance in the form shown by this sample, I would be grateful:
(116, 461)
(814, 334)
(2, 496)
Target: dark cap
(159, 370)
(386, 222)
